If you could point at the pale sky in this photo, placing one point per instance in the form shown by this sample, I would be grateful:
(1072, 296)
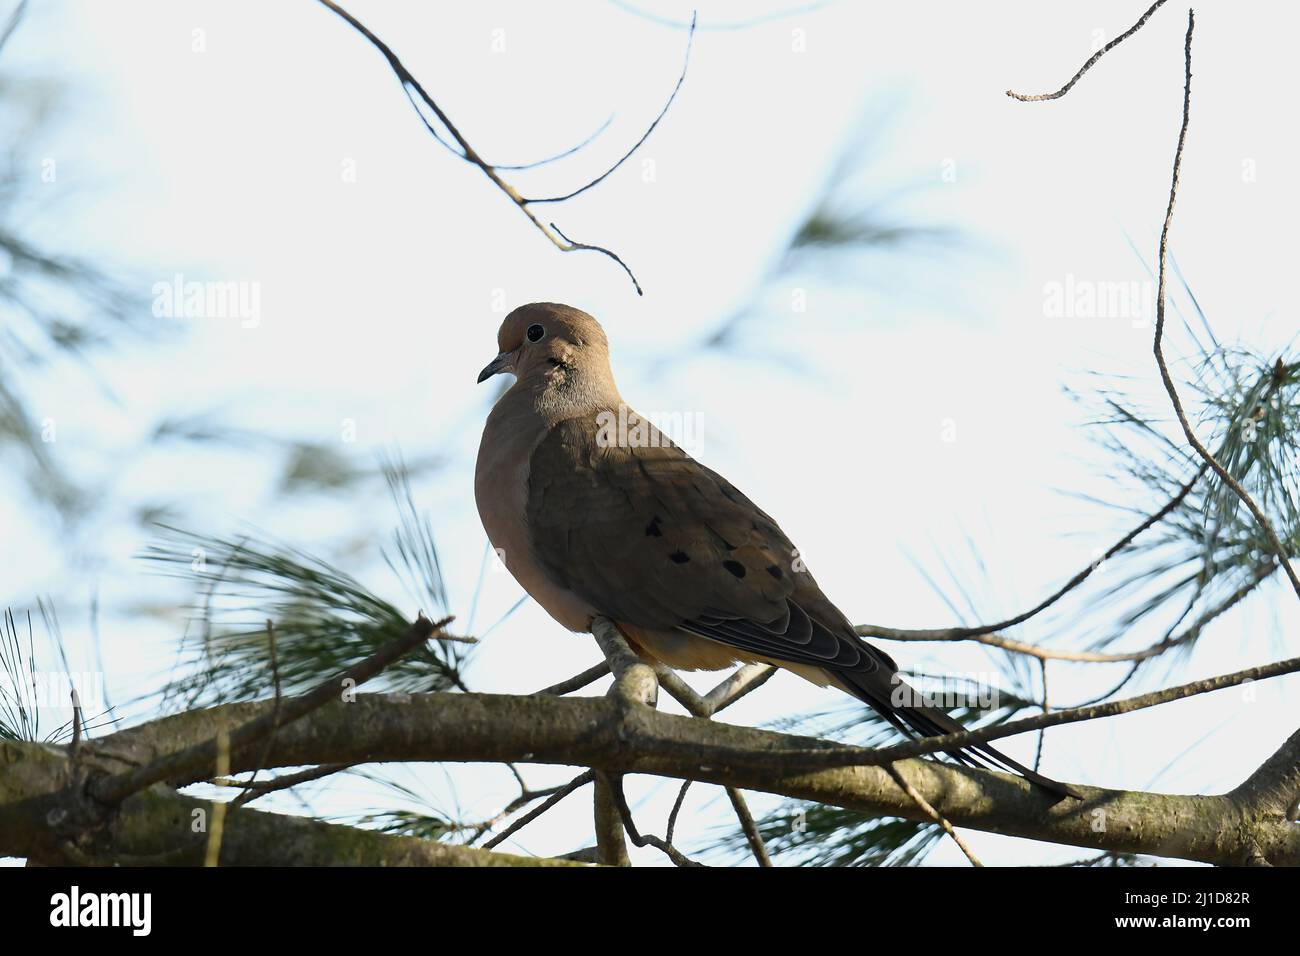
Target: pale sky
(380, 298)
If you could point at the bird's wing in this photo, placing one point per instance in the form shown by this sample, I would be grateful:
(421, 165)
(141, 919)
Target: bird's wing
(651, 537)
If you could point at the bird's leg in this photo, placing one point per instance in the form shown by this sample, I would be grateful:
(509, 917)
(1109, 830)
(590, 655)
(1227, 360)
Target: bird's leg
(634, 679)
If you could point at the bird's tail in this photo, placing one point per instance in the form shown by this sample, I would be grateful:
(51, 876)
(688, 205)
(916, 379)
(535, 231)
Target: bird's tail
(901, 706)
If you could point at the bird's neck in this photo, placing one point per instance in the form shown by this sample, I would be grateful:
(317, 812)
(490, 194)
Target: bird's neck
(563, 393)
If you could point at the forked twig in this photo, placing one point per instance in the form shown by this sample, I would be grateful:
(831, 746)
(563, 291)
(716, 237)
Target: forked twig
(580, 780)
(461, 147)
(614, 783)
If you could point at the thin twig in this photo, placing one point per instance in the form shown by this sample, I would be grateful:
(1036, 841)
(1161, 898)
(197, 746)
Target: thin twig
(461, 147)
(1039, 97)
(275, 712)
(984, 632)
(572, 246)
(1261, 519)
(862, 756)
(699, 707)
(677, 809)
(253, 791)
(749, 827)
(580, 780)
(686, 62)
(1047, 706)
(722, 25)
(217, 823)
(932, 813)
(15, 18)
(614, 783)
(742, 681)
(538, 163)
(577, 682)
(75, 748)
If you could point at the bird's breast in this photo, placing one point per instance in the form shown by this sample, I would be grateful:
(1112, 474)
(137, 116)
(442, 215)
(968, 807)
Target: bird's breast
(501, 493)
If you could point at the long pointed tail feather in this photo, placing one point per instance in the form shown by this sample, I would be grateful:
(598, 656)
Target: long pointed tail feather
(925, 721)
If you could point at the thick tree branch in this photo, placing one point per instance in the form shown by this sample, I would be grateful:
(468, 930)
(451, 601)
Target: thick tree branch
(611, 848)
(1275, 787)
(45, 816)
(604, 734)
(200, 758)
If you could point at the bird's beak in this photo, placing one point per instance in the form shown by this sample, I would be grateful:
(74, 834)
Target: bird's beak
(499, 364)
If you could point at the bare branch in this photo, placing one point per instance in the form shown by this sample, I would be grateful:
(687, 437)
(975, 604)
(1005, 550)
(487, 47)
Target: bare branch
(1260, 518)
(984, 632)
(677, 809)
(611, 848)
(252, 791)
(964, 739)
(572, 246)
(742, 681)
(581, 780)
(577, 682)
(460, 146)
(614, 788)
(1039, 97)
(686, 62)
(748, 826)
(15, 19)
(1274, 788)
(538, 163)
(699, 707)
(601, 732)
(274, 657)
(933, 814)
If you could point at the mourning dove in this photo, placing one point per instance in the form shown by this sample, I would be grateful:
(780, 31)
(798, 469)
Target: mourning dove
(595, 512)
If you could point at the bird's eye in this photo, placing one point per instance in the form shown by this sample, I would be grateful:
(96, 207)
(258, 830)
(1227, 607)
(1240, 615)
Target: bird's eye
(535, 333)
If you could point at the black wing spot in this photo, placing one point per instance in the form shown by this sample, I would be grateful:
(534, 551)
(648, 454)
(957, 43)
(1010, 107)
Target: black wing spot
(652, 529)
(773, 570)
(679, 557)
(735, 567)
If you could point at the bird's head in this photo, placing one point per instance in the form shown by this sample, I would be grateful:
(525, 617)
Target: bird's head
(547, 345)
